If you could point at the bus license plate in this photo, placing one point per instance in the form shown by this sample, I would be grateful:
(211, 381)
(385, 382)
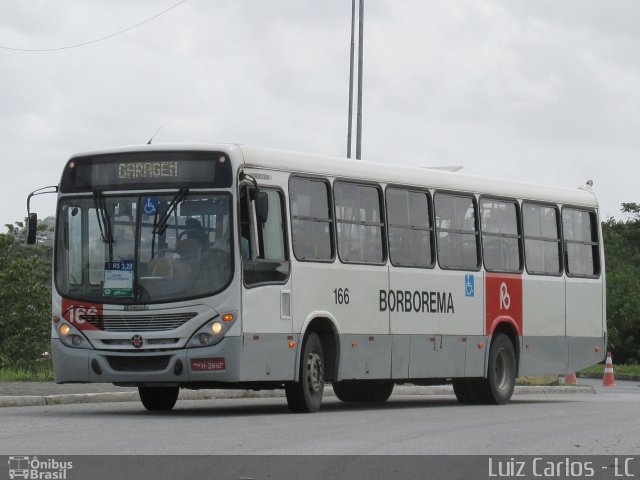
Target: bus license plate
(206, 364)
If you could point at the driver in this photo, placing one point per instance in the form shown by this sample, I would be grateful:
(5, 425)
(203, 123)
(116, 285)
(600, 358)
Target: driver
(195, 231)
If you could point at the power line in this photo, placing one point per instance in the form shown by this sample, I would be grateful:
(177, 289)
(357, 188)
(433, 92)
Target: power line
(97, 39)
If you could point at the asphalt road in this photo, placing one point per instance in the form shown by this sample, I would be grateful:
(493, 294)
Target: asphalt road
(607, 422)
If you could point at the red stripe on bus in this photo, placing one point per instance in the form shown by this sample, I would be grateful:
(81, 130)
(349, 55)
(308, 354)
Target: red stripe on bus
(503, 299)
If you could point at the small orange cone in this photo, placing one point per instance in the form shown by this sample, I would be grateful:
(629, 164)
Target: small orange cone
(608, 380)
(570, 379)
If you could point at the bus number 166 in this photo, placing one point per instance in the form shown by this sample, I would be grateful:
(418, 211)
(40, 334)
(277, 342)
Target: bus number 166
(341, 296)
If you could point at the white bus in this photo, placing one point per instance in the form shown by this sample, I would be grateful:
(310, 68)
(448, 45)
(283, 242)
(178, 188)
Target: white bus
(226, 266)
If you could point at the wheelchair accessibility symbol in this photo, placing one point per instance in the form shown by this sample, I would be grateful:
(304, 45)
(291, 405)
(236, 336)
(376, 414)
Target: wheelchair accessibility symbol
(469, 285)
(150, 205)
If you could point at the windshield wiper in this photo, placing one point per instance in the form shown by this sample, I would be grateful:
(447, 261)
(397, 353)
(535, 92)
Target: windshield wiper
(161, 226)
(104, 222)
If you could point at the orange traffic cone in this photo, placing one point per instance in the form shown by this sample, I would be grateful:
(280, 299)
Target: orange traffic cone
(570, 379)
(608, 380)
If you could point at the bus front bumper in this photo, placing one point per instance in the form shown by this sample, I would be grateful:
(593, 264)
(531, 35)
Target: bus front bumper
(218, 363)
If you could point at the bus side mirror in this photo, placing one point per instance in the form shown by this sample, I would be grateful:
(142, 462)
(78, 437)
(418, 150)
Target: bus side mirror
(262, 206)
(32, 228)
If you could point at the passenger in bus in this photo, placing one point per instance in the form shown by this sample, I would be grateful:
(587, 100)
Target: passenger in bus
(161, 266)
(223, 244)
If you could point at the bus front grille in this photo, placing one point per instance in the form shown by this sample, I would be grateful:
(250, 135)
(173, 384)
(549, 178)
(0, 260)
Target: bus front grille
(138, 364)
(139, 323)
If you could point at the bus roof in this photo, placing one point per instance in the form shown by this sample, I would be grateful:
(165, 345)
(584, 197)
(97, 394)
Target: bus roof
(413, 176)
(305, 163)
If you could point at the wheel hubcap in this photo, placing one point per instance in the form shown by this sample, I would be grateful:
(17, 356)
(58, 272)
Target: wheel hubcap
(503, 371)
(315, 373)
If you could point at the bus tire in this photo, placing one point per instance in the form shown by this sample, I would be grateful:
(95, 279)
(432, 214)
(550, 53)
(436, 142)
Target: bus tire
(380, 391)
(345, 391)
(466, 390)
(501, 376)
(364, 391)
(158, 398)
(305, 395)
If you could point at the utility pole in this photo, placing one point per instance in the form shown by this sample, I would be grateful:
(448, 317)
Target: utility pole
(351, 68)
(359, 114)
(351, 52)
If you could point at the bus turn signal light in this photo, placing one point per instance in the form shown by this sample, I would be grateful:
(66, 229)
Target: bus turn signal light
(64, 329)
(227, 317)
(480, 345)
(292, 344)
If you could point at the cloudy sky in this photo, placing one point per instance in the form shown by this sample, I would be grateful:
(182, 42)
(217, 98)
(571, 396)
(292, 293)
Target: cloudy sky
(546, 91)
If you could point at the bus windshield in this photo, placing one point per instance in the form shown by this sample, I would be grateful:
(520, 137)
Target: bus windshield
(145, 248)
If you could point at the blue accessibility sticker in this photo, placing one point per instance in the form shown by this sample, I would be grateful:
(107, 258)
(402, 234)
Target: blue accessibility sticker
(150, 205)
(469, 285)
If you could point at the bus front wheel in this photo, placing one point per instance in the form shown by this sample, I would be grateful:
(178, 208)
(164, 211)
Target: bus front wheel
(158, 398)
(305, 395)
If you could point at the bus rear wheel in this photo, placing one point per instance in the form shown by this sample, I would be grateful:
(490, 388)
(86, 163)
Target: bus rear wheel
(497, 388)
(305, 395)
(365, 391)
(501, 377)
(158, 398)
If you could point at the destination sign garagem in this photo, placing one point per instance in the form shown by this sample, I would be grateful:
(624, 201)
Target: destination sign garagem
(156, 169)
(128, 171)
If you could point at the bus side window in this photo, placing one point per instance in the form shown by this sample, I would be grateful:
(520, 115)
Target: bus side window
(410, 229)
(265, 258)
(311, 219)
(457, 231)
(360, 227)
(501, 239)
(581, 242)
(543, 248)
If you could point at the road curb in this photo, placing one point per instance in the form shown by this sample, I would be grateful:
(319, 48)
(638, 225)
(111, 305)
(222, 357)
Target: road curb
(22, 401)
(40, 400)
(619, 376)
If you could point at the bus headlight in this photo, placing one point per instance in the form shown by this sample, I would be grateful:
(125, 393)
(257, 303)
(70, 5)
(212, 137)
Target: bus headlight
(211, 332)
(71, 336)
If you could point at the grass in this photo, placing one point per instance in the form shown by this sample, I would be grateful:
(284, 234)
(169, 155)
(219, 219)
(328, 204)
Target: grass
(537, 380)
(25, 375)
(622, 370)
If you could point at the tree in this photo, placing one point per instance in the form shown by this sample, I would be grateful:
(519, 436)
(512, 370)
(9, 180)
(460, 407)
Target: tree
(25, 299)
(622, 256)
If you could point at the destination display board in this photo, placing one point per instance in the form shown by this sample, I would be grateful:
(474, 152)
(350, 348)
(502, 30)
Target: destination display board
(155, 169)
